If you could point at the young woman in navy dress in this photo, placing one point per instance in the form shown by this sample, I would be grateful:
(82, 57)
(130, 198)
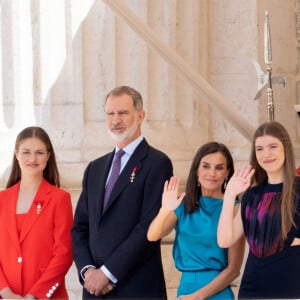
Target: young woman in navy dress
(269, 216)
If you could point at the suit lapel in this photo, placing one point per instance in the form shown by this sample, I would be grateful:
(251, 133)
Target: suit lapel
(37, 209)
(134, 163)
(102, 183)
(10, 214)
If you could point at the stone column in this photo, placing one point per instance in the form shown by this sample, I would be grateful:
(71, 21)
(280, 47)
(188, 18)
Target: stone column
(59, 58)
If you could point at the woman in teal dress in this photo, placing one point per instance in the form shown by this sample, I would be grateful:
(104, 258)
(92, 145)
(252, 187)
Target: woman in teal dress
(207, 270)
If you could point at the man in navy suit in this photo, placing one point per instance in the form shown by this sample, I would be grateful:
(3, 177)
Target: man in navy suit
(110, 247)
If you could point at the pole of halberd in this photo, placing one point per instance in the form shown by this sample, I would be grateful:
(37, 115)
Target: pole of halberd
(268, 61)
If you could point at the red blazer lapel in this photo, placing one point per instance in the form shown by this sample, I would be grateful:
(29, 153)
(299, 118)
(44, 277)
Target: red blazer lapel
(37, 208)
(10, 214)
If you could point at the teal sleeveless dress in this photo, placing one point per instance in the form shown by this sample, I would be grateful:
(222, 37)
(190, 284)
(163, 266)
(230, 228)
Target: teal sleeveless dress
(196, 252)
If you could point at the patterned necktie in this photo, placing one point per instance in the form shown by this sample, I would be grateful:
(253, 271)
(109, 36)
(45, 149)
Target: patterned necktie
(115, 171)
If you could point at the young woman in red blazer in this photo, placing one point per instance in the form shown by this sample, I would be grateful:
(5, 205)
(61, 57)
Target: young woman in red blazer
(35, 222)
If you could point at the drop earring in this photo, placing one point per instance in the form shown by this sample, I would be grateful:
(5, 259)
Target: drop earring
(225, 183)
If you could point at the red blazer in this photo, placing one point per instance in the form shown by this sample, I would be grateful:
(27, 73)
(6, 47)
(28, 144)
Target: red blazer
(37, 261)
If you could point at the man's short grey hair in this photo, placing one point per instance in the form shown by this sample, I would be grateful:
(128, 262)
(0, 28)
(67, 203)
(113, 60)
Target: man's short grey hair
(134, 94)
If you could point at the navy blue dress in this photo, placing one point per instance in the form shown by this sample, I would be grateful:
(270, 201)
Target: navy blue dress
(273, 266)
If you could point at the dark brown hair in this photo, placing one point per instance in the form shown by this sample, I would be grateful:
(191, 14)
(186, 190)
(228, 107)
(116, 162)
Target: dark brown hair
(50, 172)
(193, 192)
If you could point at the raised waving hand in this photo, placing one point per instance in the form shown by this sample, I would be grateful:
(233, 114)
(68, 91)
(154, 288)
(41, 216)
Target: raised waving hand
(166, 219)
(240, 181)
(170, 198)
(230, 227)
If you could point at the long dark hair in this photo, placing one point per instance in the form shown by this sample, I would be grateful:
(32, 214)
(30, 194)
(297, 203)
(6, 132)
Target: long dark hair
(50, 172)
(276, 130)
(193, 192)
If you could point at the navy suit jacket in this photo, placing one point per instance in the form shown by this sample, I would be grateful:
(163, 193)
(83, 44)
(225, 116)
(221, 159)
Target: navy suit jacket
(117, 236)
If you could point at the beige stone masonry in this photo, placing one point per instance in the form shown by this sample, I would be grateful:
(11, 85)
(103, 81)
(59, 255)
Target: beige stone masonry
(59, 58)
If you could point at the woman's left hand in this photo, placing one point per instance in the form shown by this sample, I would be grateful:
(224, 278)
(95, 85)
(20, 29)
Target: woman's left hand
(194, 296)
(28, 296)
(240, 180)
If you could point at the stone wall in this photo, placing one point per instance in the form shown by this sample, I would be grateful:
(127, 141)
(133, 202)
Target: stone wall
(59, 58)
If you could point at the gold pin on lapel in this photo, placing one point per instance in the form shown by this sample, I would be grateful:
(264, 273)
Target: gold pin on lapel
(38, 208)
